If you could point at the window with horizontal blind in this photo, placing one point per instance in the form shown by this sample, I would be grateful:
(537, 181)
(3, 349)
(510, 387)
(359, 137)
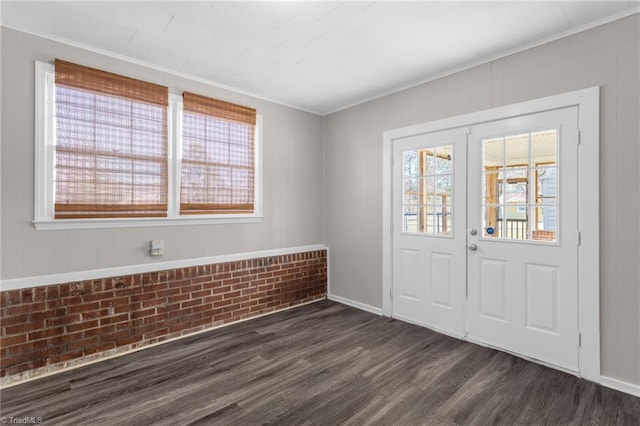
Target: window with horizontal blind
(111, 145)
(217, 174)
(114, 151)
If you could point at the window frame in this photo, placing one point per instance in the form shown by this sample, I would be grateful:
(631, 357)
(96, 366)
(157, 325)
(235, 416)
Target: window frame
(44, 169)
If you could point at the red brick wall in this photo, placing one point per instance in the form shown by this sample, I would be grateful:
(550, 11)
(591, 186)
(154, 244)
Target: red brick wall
(47, 325)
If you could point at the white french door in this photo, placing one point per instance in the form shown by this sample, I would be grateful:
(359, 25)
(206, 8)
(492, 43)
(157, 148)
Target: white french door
(485, 233)
(523, 236)
(429, 197)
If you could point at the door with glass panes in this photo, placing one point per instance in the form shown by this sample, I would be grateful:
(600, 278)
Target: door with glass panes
(484, 241)
(522, 235)
(429, 256)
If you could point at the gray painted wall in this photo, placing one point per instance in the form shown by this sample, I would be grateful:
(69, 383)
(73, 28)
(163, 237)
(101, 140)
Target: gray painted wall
(292, 145)
(606, 56)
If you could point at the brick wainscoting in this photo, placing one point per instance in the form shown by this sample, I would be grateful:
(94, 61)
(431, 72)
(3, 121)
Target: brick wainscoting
(49, 326)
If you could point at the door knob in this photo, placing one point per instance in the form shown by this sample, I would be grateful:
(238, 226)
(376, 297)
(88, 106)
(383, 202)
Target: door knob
(474, 232)
(473, 247)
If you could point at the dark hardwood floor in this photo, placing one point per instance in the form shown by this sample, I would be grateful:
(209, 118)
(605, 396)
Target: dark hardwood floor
(319, 364)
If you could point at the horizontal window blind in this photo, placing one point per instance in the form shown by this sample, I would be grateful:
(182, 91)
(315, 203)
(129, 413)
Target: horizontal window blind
(111, 151)
(217, 167)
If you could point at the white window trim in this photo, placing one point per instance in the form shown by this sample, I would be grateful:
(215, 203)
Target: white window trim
(44, 169)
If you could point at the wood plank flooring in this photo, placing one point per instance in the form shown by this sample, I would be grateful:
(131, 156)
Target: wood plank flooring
(319, 364)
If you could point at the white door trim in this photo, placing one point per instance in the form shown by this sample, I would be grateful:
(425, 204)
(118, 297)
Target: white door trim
(588, 103)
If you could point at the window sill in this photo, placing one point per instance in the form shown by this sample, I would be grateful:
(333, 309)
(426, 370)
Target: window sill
(61, 224)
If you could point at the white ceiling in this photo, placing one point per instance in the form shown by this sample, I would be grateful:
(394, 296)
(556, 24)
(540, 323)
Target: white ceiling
(316, 56)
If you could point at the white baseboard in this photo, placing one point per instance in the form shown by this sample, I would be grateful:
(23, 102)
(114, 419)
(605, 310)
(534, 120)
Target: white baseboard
(621, 386)
(67, 277)
(355, 304)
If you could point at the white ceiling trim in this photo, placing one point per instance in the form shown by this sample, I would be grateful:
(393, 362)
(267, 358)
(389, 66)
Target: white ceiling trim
(572, 31)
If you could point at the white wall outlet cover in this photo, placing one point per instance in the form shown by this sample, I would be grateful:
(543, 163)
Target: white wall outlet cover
(156, 247)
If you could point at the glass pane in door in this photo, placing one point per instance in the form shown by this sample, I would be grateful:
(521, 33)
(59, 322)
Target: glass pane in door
(519, 181)
(428, 191)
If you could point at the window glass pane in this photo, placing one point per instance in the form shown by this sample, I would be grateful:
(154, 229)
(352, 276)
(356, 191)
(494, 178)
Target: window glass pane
(444, 185)
(517, 150)
(447, 219)
(411, 187)
(443, 165)
(546, 184)
(193, 148)
(515, 192)
(515, 222)
(429, 219)
(544, 147)
(491, 187)
(439, 220)
(217, 153)
(493, 153)
(220, 177)
(216, 129)
(409, 219)
(240, 179)
(490, 222)
(410, 197)
(75, 134)
(519, 186)
(239, 154)
(428, 189)
(193, 126)
(239, 133)
(410, 163)
(432, 191)
(429, 159)
(546, 223)
(516, 173)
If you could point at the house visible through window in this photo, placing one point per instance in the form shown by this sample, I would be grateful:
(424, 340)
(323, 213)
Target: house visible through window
(105, 150)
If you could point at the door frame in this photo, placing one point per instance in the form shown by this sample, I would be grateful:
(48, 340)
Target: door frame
(588, 103)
